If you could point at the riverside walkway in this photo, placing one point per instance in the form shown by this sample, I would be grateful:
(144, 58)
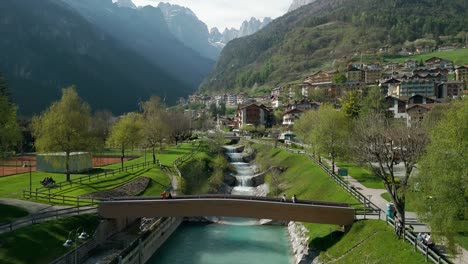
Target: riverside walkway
(230, 206)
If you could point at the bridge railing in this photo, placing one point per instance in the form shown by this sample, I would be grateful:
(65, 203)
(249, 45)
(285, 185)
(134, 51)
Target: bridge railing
(236, 197)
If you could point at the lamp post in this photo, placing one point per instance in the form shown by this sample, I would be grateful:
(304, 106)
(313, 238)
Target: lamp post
(83, 235)
(30, 179)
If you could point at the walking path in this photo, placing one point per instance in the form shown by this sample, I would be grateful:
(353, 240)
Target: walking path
(410, 217)
(39, 213)
(32, 207)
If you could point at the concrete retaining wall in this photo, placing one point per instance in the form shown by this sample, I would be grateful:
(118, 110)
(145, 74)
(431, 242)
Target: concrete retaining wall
(152, 242)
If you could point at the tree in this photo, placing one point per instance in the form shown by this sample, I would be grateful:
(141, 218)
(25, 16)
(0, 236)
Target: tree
(4, 88)
(64, 127)
(327, 131)
(179, 126)
(382, 144)
(9, 130)
(127, 132)
(441, 194)
(339, 78)
(352, 104)
(155, 125)
(373, 102)
(101, 124)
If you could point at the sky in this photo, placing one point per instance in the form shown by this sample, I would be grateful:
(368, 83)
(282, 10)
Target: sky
(228, 13)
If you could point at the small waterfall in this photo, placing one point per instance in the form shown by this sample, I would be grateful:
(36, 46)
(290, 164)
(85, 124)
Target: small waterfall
(244, 172)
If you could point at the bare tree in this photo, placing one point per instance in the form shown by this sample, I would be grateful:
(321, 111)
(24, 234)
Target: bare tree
(382, 145)
(179, 125)
(155, 123)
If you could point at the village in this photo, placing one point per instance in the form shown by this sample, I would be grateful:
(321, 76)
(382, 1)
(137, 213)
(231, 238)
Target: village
(411, 89)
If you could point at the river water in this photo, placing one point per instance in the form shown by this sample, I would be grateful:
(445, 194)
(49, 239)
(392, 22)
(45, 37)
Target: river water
(232, 240)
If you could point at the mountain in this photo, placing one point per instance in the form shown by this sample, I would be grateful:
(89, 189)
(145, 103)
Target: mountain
(126, 3)
(298, 3)
(46, 45)
(187, 28)
(313, 36)
(247, 28)
(144, 30)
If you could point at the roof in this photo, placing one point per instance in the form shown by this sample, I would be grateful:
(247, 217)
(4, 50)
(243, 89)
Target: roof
(293, 111)
(425, 106)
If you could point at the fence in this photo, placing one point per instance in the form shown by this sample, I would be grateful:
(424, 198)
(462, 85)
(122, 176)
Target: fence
(430, 254)
(45, 216)
(372, 209)
(90, 177)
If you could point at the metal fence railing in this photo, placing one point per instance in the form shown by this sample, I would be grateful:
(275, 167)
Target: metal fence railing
(372, 209)
(45, 216)
(89, 177)
(431, 254)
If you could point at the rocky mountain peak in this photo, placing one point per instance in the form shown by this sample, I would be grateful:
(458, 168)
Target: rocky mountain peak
(298, 3)
(126, 3)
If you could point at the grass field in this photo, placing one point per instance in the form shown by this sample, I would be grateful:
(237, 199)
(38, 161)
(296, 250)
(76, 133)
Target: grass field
(459, 56)
(9, 213)
(42, 243)
(12, 186)
(362, 175)
(370, 241)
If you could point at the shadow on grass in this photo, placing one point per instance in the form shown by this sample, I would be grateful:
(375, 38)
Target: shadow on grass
(321, 244)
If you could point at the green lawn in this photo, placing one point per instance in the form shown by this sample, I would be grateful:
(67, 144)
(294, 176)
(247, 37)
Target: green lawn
(370, 241)
(305, 179)
(9, 213)
(42, 243)
(459, 56)
(409, 205)
(362, 175)
(12, 186)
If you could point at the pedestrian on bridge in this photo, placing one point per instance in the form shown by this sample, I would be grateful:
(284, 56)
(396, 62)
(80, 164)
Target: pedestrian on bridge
(294, 199)
(284, 199)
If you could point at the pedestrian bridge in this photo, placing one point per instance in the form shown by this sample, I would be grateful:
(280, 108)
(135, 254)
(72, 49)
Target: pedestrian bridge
(229, 206)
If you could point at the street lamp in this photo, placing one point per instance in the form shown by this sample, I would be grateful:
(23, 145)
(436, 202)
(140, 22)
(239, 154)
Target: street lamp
(68, 243)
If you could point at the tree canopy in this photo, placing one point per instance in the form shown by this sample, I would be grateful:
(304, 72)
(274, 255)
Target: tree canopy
(441, 185)
(126, 133)
(9, 130)
(64, 126)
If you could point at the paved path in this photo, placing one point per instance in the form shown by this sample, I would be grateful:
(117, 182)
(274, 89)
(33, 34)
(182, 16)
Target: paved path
(31, 207)
(39, 213)
(410, 217)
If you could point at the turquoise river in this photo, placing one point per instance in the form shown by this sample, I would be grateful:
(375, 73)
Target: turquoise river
(231, 240)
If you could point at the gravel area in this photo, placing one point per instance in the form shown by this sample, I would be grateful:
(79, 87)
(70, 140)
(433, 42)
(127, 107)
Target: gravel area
(132, 188)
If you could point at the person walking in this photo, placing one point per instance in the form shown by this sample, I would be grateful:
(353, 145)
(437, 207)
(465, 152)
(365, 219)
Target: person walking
(283, 199)
(294, 199)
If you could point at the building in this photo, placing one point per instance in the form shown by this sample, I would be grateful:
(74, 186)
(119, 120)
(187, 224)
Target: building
(276, 102)
(355, 75)
(320, 77)
(241, 98)
(372, 76)
(252, 114)
(450, 89)
(396, 107)
(289, 117)
(416, 86)
(55, 162)
(231, 100)
(411, 64)
(278, 91)
(461, 74)
(416, 113)
(436, 62)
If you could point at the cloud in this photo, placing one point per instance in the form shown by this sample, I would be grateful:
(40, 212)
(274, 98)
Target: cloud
(228, 13)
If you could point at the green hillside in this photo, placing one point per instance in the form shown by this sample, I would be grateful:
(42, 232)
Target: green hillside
(313, 36)
(459, 56)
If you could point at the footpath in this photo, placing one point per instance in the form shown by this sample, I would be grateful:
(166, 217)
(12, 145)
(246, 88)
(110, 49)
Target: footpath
(39, 213)
(375, 197)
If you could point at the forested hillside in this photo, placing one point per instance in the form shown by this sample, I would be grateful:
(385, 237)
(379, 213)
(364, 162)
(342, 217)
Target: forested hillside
(47, 45)
(314, 35)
